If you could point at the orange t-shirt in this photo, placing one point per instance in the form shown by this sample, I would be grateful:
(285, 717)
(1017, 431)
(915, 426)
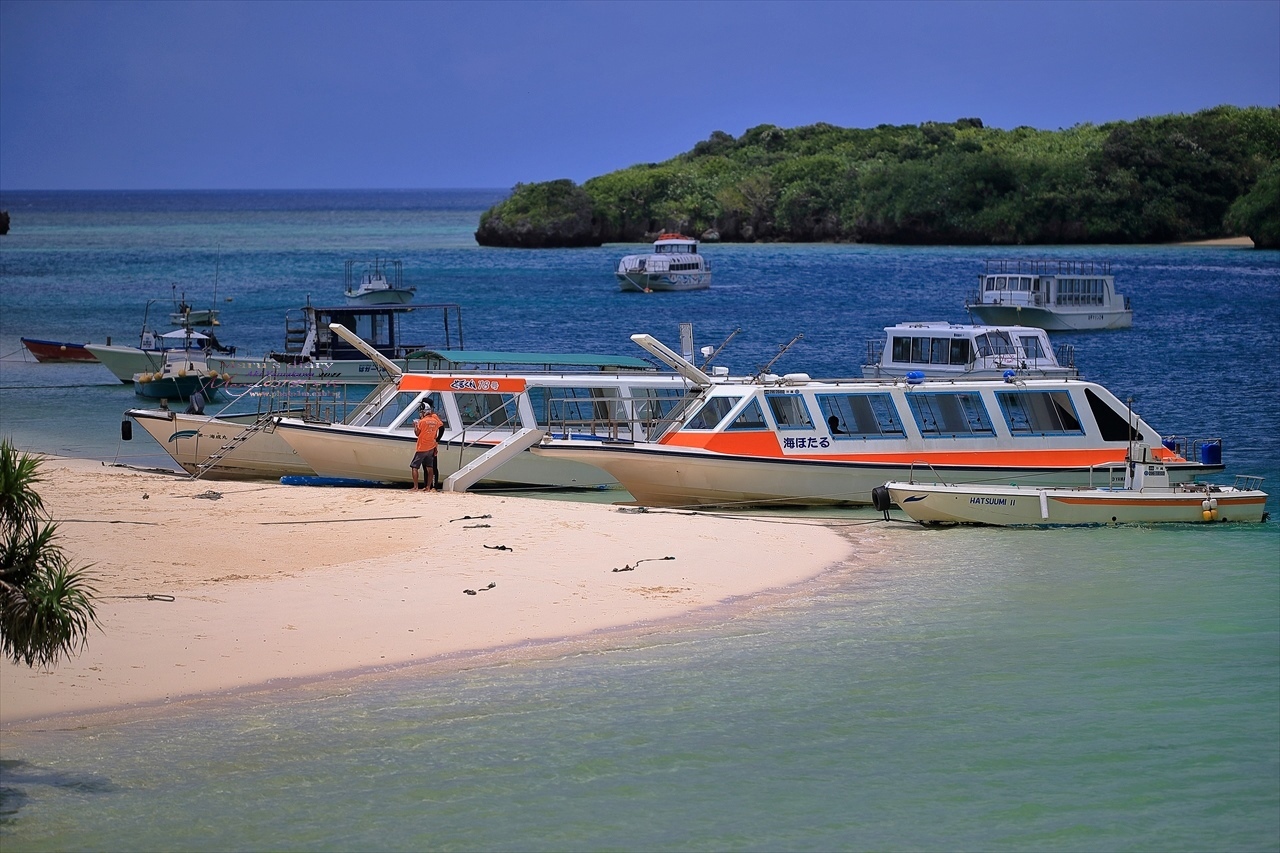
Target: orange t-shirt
(427, 428)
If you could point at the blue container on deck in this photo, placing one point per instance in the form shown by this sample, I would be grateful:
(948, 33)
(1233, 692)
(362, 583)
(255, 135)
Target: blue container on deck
(1211, 453)
(1170, 444)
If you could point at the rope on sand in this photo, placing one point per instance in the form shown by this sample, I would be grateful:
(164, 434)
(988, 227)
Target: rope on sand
(343, 520)
(150, 596)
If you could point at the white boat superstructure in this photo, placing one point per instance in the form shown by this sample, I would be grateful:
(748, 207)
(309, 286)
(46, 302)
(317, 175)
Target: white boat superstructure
(1146, 496)
(379, 283)
(674, 264)
(940, 350)
(794, 440)
(312, 352)
(1067, 295)
(488, 413)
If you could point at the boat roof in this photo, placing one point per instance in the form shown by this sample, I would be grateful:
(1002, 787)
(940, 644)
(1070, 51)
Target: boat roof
(973, 328)
(492, 358)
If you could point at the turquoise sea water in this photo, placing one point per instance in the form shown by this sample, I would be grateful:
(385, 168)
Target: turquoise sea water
(1103, 689)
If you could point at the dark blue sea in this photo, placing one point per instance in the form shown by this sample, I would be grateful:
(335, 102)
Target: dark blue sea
(967, 689)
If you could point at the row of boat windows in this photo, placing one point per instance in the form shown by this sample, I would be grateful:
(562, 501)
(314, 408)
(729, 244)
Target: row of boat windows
(936, 414)
(959, 351)
(676, 249)
(1080, 291)
(550, 406)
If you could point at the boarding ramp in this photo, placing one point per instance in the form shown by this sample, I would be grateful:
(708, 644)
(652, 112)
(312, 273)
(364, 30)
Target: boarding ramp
(491, 460)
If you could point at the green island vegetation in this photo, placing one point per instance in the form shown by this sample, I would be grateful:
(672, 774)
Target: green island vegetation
(1212, 174)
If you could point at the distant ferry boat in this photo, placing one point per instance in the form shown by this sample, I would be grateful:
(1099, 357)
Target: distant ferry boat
(674, 264)
(950, 351)
(1066, 296)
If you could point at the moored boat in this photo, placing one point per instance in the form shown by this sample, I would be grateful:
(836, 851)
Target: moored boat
(1146, 497)
(1055, 295)
(312, 352)
(793, 440)
(379, 283)
(674, 264)
(183, 375)
(939, 350)
(57, 351)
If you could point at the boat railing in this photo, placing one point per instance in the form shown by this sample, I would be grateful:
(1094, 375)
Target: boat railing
(1044, 266)
(1206, 451)
(1248, 482)
(911, 472)
(1065, 354)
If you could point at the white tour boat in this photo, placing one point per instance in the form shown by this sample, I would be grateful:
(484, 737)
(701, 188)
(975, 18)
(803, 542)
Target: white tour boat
(674, 264)
(380, 283)
(949, 351)
(1067, 296)
(793, 440)
(485, 399)
(1147, 497)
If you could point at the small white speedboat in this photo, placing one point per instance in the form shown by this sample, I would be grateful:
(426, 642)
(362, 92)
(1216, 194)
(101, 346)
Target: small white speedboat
(1145, 498)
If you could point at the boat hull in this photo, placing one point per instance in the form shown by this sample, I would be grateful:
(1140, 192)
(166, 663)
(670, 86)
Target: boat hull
(662, 475)
(179, 387)
(1053, 321)
(334, 450)
(251, 371)
(642, 282)
(1027, 507)
(124, 362)
(191, 439)
(380, 297)
(52, 352)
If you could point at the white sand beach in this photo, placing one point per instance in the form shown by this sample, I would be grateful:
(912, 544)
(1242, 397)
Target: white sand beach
(274, 585)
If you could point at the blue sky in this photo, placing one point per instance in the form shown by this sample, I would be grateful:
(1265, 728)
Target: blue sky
(300, 95)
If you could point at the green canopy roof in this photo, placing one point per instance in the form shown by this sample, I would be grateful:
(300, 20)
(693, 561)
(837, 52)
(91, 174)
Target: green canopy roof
(463, 359)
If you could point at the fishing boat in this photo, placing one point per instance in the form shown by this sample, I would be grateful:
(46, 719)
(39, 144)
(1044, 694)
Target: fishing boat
(379, 283)
(1068, 296)
(126, 362)
(674, 264)
(939, 350)
(57, 351)
(187, 315)
(312, 352)
(1146, 497)
(485, 397)
(793, 440)
(183, 374)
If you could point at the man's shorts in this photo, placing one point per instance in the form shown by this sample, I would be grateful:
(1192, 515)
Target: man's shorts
(423, 459)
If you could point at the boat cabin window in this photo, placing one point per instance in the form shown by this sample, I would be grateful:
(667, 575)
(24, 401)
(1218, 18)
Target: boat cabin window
(1113, 425)
(405, 401)
(913, 350)
(994, 343)
(789, 411)
(941, 414)
(860, 415)
(1031, 346)
(488, 411)
(750, 418)
(712, 413)
(1039, 413)
(651, 404)
(1080, 291)
(575, 405)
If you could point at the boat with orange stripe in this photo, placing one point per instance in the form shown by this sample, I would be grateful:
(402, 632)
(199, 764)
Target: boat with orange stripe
(1146, 497)
(793, 440)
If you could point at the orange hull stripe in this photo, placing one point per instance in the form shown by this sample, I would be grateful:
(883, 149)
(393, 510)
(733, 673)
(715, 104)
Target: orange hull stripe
(765, 445)
(1188, 502)
(474, 384)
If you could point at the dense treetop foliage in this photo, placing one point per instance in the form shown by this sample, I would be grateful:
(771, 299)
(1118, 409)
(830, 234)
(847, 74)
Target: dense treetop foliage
(1153, 180)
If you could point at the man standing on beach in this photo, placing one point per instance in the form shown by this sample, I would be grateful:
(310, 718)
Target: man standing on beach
(428, 427)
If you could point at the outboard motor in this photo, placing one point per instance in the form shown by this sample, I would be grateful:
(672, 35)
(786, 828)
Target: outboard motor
(880, 500)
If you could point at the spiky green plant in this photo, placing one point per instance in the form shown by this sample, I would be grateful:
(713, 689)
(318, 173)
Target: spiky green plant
(46, 604)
